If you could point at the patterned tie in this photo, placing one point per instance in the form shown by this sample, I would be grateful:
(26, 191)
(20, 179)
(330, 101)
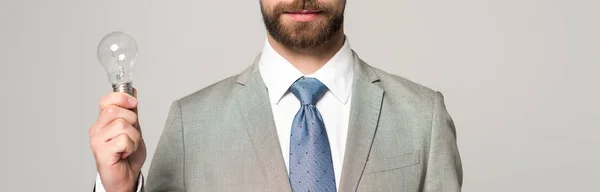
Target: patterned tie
(311, 167)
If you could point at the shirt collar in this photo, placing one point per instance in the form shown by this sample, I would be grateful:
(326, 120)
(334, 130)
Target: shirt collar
(279, 74)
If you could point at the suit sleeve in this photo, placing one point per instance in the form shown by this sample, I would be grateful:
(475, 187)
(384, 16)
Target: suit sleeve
(167, 168)
(444, 167)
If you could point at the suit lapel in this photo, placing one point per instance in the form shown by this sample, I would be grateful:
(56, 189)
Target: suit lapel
(364, 116)
(257, 118)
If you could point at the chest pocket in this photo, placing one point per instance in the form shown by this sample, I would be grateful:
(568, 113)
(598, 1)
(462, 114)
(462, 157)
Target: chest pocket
(380, 162)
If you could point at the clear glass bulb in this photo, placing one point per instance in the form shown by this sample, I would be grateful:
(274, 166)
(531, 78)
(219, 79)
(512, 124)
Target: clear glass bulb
(117, 52)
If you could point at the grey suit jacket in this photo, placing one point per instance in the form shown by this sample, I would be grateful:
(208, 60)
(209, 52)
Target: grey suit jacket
(223, 138)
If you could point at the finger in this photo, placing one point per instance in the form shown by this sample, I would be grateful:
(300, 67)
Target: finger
(121, 146)
(116, 129)
(119, 99)
(110, 114)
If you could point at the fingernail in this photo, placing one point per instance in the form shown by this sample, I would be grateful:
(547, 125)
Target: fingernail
(132, 101)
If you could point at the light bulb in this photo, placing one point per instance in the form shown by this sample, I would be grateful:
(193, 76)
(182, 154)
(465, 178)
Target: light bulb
(117, 52)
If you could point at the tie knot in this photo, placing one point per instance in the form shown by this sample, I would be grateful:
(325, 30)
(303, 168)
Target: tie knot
(308, 90)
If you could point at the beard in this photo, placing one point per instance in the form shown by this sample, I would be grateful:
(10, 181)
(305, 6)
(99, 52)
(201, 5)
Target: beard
(303, 35)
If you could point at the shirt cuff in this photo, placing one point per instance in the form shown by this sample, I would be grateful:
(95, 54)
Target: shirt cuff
(100, 188)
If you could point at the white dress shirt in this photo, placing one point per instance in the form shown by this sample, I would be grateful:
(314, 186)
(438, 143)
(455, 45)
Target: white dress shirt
(279, 74)
(337, 74)
(100, 188)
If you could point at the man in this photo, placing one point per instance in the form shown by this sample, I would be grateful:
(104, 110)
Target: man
(308, 115)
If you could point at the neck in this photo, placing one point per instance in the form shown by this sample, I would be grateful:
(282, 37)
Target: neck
(309, 61)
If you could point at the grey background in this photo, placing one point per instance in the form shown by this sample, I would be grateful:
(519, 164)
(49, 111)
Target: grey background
(519, 78)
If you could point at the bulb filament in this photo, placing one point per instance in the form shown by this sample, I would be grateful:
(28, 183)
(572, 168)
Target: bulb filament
(120, 74)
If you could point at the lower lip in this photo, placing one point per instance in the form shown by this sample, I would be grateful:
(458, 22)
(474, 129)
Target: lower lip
(303, 17)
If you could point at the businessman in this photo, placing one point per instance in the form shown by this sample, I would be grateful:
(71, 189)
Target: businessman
(307, 115)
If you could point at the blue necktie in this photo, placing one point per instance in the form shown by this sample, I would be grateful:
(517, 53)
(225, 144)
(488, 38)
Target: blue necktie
(311, 167)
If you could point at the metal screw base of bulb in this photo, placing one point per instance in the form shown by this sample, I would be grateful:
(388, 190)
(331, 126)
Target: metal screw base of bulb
(124, 88)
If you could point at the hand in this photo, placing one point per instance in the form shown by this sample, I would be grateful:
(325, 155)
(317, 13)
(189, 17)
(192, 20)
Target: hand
(117, 143)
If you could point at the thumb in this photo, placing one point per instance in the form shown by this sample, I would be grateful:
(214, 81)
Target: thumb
(137, 158)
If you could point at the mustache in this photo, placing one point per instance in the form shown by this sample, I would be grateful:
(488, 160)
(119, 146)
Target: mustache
(296, 5)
